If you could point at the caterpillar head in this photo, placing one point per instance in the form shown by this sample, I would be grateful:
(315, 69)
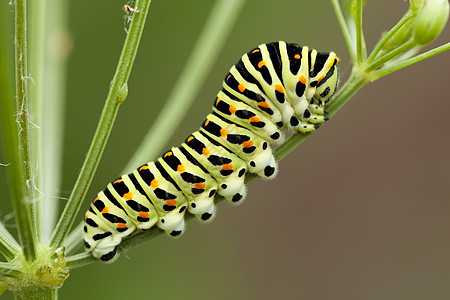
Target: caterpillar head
(327, 79)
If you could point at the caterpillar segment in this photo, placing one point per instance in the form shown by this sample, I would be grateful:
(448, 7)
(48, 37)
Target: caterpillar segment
(195, 182)
(273, 87)
(222, 164)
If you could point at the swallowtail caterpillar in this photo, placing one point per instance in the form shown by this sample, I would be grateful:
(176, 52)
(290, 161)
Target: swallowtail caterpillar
(273, 87)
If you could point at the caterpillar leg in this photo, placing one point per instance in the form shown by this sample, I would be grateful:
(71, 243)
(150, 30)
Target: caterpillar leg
(207, 215)
(164, 195)
(99, 239)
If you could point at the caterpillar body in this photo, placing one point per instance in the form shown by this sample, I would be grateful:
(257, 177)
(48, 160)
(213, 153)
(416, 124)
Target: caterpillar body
(273, 87)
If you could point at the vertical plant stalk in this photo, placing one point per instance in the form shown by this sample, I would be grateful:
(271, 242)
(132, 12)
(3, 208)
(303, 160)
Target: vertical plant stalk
(360, 43)
(50, 46)
(44, 293)
(23, 201)
(36, 70)
(116, 96)
(215, 32)
(9, 248)
(344, 28)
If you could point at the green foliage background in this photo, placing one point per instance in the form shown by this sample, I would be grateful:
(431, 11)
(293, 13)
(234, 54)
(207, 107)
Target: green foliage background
(360, 211)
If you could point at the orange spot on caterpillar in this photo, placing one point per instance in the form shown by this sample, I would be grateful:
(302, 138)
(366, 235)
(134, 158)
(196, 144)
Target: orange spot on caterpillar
(168, 154)
(241, 87)
(144, 214)
(320, 78)
(297, 56)
(223, 132)
(227, 167)
(171, 202)
(199, 185)
(256, 50)
(96, 198)
(85, 217)
(261, 64)
(232, 109)
(279, 88)
(206, 152)
(128, 196)
(302, 79)
(118, 181)
(264, 104)
(145, 167)
(247, 144)
(218, 100)
(121, 225)
(228, 77)
(105, 210)
(181, 169)
(254, 119)
(206, 122)
(295, 45)
(190, 138)
(154, 184)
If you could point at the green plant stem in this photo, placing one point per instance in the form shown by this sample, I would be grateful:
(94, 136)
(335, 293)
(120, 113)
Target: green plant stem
(9, 248)
(353, 84)
(206, 50)
(74, 240)
(50, 46)
(36, 67)
(115, 96)
(23, 201)
(39, 294)
(360, 44)
(7, 269)
(388, 36)
(344, 28)
(390, 55)
(405, 63)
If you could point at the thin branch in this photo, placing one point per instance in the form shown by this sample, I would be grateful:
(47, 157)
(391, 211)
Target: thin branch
(74, 239)
(360, 43)
(116, 96)
(344, 28)
(7, 269)
(23, 202)
(9, 247)
(390, 55)
(403, 64)
(388, 36)
(206, 50)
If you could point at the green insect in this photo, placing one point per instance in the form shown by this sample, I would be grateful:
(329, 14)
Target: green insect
(273, 87)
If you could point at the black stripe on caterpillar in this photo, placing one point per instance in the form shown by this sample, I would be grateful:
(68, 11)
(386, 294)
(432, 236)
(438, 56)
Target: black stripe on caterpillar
(272, 87)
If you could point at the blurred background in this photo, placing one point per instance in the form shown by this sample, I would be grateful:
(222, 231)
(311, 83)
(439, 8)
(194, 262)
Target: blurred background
(361, 210)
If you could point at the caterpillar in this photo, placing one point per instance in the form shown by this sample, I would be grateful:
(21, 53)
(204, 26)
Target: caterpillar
(273, 87)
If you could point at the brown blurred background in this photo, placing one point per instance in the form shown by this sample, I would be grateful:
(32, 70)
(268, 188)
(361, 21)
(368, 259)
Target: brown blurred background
(359, 211)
